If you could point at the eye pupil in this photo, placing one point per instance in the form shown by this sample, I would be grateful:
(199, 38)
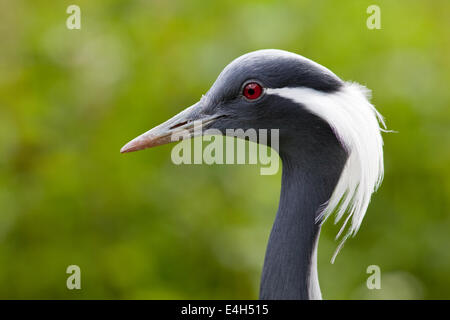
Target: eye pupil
(252, 90)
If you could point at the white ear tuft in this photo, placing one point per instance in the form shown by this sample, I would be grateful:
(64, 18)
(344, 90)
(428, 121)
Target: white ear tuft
(356, 123)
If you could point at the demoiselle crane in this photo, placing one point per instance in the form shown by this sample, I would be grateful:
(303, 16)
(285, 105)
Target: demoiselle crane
(330, 145)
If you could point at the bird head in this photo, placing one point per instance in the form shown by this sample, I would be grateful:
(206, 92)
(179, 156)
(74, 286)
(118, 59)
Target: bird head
(317, 115)
(244, 97)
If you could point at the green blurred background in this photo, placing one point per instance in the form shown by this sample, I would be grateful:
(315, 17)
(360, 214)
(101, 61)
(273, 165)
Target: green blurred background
(142, 227)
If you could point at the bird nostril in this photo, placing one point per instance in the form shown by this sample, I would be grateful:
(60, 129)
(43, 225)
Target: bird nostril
(178, 125)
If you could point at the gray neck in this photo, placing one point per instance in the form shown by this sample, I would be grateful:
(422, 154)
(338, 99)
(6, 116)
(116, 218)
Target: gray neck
(290, 265)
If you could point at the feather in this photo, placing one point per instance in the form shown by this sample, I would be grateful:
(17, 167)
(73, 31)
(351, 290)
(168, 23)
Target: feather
(356, 124)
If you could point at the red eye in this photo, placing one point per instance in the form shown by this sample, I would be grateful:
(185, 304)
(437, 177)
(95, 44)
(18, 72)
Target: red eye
(252, 90)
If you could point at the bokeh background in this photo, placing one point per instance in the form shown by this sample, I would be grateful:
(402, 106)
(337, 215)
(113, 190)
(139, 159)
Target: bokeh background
(142, 227)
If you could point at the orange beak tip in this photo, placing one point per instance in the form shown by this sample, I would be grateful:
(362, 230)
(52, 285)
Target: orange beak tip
(123, 150)
(129, 147)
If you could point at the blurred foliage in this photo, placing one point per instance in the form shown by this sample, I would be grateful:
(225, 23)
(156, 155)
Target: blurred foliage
(142, 227)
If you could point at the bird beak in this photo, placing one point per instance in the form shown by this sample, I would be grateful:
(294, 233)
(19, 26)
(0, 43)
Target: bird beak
(183, 124)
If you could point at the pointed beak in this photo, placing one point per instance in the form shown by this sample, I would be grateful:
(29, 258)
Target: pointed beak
(185, 124)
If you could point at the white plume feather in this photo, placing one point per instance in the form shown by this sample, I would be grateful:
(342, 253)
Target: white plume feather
(356, 123)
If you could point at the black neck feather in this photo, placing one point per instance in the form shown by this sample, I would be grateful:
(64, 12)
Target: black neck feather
(308, 180)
